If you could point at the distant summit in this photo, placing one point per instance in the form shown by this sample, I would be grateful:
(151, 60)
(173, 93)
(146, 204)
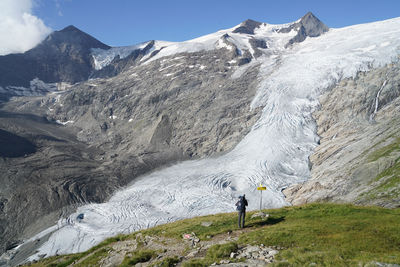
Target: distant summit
(247, 27)
(67, 55)
(308, 26)
(70, 28)
(71, 35)
(62, 56)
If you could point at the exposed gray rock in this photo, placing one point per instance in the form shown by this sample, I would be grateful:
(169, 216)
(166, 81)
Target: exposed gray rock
(206, 224)
(260, 214)
(350, 163)
(247, 27)
(308, 26)
(256, 45)
(254, 255)
(183, 112)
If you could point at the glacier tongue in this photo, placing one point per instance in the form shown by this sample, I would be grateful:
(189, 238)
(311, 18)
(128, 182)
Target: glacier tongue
(274, 153)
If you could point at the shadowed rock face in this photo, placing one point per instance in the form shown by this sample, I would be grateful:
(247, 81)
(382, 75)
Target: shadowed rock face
(308, 26)
(247, 27)
(63, 56)
(45, 170)
(14, 146)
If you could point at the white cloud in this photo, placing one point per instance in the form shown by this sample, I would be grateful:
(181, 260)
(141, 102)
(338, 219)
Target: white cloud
(19, 29)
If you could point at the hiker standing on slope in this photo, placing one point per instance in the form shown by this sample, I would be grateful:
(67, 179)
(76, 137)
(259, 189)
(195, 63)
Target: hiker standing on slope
(241, 208)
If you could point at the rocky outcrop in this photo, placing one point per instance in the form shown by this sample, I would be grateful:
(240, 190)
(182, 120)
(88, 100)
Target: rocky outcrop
(358, 156)
(14, 146)
(261, 254)
(247, 27)
(308, 26)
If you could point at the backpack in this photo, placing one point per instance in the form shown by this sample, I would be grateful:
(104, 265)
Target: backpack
(240, 205)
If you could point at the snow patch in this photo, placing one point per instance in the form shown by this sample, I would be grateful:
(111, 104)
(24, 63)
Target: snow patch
(221, 44)
(36, 88)
(64, 123)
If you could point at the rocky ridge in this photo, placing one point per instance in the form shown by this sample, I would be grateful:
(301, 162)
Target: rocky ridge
(307, 26)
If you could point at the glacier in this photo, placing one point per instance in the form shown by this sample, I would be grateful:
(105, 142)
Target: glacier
(103, 57)
(274, 153)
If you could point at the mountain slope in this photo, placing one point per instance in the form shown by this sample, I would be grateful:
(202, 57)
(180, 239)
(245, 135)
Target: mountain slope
(331, 235)
(358, 157)
(275, 152)
(239, 105)
(154, 112)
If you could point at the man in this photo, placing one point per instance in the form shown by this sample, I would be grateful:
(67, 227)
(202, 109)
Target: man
(241, 208)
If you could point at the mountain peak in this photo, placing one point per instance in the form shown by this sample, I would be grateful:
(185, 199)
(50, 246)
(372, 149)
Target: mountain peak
(73, 35)
(70, 28)
(309, 15)
(312, 25)
(308, 26)
(247, 27)
(64, 55)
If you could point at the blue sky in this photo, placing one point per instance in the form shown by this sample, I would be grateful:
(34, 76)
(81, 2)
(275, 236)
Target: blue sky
(126, 22)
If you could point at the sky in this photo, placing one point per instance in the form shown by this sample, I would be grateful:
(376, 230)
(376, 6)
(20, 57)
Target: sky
(24, 23)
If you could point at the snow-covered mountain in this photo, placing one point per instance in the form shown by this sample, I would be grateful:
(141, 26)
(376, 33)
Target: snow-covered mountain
(226, 111)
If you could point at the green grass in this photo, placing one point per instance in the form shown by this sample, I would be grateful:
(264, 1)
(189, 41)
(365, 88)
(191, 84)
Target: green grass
(331, 235)
(58, 261)
(215, 253)
(94, 258)
(167, 262)
(220, 224)
(221, 251)
(385, 151)
(197, 263)
(320, 234)
(138, 256)
(66, 260)
(389, 186)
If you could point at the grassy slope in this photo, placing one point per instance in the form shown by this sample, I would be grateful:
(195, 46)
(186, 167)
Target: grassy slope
(321, 234)
(388, 181)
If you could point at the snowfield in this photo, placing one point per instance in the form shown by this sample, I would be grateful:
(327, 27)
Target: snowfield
(274, 153)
